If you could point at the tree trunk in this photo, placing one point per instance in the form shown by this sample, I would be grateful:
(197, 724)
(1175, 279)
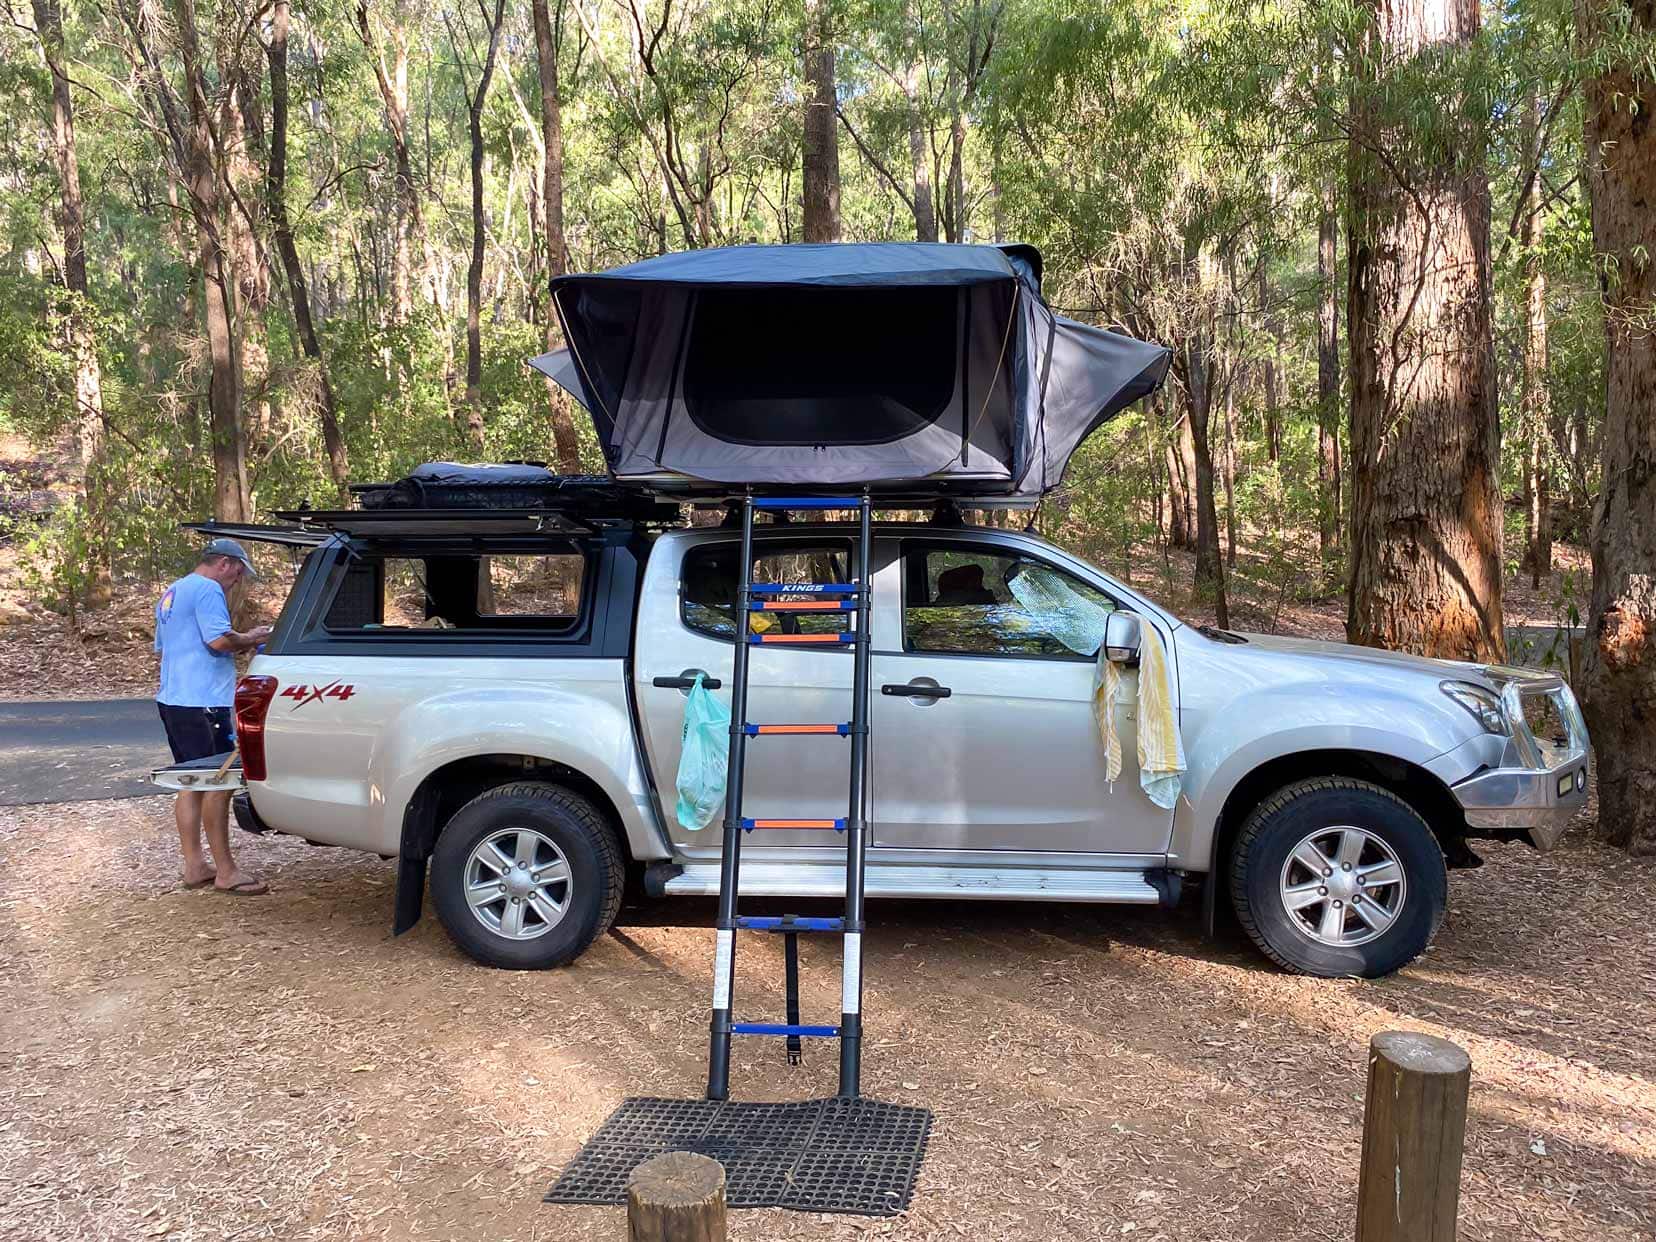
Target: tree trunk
(1230, 475)
(954, 194)
(821, 175)
(393, 87)
(1537, 406)
(276, 196)
(1619, 668)
(1210, 568)
(1328, 384)
(566, 445)
(241, 137)
(1426, 501)
(201, 182)
(1177, 535)
(89, 410)
(474, 269)
(925, 209)
(1181, 490)
(1269, 365)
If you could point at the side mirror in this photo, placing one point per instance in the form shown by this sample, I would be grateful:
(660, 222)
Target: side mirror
(1122, 636)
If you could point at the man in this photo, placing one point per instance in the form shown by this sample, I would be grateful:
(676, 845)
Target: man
(198, 688)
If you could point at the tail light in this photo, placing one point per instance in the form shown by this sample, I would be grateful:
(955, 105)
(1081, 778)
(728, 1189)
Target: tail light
(253, 696)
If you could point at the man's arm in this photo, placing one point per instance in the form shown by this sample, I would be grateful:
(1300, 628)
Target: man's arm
(234, 640)
(213, 620)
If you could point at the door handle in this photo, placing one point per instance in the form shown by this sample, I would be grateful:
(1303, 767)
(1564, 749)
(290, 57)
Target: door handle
(909, 690)
(685, 682)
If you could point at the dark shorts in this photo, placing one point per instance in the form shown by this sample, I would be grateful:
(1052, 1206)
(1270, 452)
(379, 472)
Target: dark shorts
(197, 732)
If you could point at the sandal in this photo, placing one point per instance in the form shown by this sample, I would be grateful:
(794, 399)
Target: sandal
(246, 888)
(211, 876)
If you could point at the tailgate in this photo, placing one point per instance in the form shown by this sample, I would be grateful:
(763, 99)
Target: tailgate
(214, 773)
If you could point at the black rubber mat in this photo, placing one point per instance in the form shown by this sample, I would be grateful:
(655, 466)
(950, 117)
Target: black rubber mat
(858, 1156)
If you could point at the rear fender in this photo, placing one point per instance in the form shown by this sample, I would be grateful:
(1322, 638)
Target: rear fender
(582, 726)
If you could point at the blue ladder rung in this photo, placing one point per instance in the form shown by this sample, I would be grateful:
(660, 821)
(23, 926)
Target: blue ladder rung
(806, 502)
(765, 821)
(803, 640)
(802, 588)
(842, 728)
(774, 922)
(781, 1028)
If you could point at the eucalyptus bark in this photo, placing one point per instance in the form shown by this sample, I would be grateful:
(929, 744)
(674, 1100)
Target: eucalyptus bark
(287, 250)
(1619, 665)
(566, 445)
(90, 430)
(1328, 383)
(1425, 437)
(820, 167)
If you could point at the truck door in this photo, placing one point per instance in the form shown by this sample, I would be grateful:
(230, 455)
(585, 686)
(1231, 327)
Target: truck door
(1011, 758)
(692, 628)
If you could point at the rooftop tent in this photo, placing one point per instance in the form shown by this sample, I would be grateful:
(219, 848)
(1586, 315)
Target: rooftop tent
(922, 366)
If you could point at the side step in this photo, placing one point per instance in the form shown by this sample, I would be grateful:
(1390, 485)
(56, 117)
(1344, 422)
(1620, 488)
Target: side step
(771, 879)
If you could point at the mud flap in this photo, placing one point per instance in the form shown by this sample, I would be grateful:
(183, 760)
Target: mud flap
(411, 878)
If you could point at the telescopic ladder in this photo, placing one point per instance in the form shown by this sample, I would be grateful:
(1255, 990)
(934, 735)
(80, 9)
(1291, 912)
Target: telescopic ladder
(819, 597)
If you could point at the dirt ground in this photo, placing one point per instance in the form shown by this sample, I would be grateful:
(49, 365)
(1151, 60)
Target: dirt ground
(194, 1066)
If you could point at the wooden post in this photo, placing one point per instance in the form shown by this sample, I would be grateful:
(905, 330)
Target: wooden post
(676, 1197)
(1414, 1127)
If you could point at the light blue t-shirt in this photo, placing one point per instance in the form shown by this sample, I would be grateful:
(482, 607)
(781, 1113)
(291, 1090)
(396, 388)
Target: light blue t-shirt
(191, 613)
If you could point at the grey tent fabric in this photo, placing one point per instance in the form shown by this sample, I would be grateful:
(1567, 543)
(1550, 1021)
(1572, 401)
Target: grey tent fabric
(905, 366)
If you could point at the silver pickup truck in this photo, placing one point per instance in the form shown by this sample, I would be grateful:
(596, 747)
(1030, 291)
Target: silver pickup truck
(501, 700)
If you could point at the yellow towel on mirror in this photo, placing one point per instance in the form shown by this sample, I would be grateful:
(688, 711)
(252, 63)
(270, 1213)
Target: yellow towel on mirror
(1161, 756)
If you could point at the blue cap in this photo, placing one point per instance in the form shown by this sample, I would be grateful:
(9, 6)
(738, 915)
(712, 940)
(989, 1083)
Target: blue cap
(229, 547)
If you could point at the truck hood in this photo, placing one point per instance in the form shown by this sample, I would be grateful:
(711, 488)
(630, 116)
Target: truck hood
(1372, 657)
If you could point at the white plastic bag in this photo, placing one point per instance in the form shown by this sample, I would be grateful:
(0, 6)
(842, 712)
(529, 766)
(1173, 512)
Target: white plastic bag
(704, 759)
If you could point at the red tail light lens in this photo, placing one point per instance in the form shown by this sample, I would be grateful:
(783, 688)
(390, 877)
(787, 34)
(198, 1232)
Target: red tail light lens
(253, 696)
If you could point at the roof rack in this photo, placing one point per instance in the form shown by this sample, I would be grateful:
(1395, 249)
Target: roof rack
(513, 486)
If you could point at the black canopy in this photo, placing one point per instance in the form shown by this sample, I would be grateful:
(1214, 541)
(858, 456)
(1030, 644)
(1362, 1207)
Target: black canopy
(910, 366)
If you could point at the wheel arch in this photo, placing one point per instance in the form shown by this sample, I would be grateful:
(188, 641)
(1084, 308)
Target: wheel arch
(1423, 792)
(450, 786)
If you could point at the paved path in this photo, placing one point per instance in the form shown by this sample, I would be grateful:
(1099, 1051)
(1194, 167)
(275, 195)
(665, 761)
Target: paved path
(78, 751)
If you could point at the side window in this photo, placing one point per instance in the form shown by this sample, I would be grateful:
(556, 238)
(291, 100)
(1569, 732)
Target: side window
(707, 586)
(386, 595)
(531, 586)
(959, 600)
(376, 593)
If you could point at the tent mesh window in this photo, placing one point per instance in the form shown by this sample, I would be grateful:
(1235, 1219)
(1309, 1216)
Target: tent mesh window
(790, 367)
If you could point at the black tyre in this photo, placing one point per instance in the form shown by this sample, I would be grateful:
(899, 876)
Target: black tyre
(1337, 877)
(526, 876)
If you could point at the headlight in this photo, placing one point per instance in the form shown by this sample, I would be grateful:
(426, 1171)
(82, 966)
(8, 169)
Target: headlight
(1484, 705)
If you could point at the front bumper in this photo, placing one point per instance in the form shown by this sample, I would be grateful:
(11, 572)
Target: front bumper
(1537, 787)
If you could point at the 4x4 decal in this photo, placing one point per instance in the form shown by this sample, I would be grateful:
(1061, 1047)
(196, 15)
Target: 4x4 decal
(303, 694)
